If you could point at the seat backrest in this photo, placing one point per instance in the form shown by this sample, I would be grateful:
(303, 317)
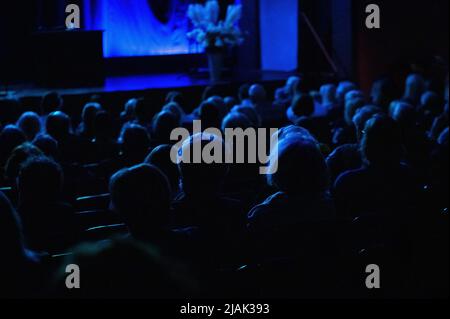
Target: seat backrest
(105, 232)
(95, 218)
(96, 202)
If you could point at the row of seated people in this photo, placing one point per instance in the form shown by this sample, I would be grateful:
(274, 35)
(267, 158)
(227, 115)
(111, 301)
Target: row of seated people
(356, 181)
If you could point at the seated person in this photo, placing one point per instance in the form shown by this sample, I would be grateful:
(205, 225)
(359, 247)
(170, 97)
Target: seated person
(163, 125)
(72, 149)
(20, 155)
(328, 100)
(277, 225)
(302, 105)
(124, 268)
(268, 111)
(383, 185)
(160, 157)
(286, 94)
(19, 266)
(141, 196)
(48, 145)
(10, 137)
(49, 222)
(344, 131)
(348, 156)
(134, 144)
(103, 143)
(86, 127)
(220, 220)
(30, 124)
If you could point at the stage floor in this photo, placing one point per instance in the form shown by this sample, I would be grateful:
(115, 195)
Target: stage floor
(144, 82)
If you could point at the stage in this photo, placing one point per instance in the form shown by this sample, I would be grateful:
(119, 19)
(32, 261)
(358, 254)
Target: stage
(145, 82)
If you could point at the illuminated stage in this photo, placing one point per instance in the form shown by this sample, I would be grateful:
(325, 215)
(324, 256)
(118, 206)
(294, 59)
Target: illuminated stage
(146, 82)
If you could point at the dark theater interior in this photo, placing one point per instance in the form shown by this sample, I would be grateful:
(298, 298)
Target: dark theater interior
(224, 150)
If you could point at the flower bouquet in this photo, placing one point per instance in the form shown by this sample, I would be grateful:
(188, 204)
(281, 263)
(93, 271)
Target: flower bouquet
(215, 35)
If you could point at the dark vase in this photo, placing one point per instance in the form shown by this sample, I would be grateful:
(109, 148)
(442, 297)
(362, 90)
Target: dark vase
(216, 61)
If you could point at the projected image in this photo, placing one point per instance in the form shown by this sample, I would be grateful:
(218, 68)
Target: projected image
(141, 27)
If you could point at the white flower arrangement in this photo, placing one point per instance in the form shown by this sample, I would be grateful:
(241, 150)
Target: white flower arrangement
(212, 33)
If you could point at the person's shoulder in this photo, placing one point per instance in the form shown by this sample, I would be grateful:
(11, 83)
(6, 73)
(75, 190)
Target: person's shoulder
(273, 201)
(344, 149)
(349, 177)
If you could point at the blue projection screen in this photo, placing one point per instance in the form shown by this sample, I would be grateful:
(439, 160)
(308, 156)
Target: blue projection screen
(279, 34)
(140, 27)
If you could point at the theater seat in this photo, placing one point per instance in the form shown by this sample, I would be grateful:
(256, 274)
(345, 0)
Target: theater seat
(105, 232)
(95, 218)
(96, 202)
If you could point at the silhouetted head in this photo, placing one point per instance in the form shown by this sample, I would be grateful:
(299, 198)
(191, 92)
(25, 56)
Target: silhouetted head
(250, 113)
(160, 157)
(244, 92)
(354, 94)
(176, 97)
(96, 98)
(18, 156)
(328, 93)
(351, 107)
(220, 104)
(382, 142)
(163, 125)
(210, 91)
(88, 115)
(342, 89)
(10, 137)
(129, 111)
(47, 144)
(362, 116)
(302, 169)
(303, 105)
(144, 111)
(294, 131)
(40, 180)
(431, 104)
(141, 195)
(175, 109)
(414, 88)
(405, 115)
(30, 124)
(257, 94)
(210, 115)
(134, 141)
(58, 125)
(51, 102)
(236, 120)
(207, 176)
(292, 84)
(230, 102)
(103, 126)
(383, 92)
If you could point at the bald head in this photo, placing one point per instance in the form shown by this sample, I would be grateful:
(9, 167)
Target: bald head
(257, 93)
